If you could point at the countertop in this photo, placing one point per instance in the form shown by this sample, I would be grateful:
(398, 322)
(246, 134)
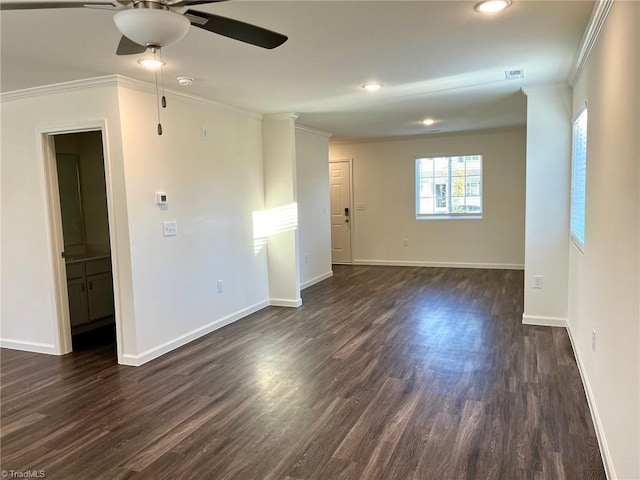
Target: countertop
(85, 257)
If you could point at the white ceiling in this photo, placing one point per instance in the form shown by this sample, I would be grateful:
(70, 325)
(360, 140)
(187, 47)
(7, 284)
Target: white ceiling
(437, 59)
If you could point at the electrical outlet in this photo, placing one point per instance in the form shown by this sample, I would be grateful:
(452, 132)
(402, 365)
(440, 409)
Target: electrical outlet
(405, 242)
(593, 340)
(538, 281)
(306, 258)
(220, 286)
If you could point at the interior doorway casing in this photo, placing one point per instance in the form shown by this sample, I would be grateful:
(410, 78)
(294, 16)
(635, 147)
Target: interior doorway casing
(56, 239)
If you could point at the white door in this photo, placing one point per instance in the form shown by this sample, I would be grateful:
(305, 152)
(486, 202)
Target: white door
(340, 184)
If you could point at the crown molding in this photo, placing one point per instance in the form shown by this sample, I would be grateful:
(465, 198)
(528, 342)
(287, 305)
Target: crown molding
(304, 128)
(117, 81)
(544, 88)
(74, 85)
(281, 116)
(598, 17)
(426, 136)
(146, 87)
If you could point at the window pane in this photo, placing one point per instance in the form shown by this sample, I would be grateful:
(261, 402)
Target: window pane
(441, 166)
(441, 195)
(457, 205)
(449, 186)
(458, 167)
(578, 179)
(426, 206)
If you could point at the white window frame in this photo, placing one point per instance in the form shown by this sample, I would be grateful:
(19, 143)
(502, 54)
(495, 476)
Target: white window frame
(447, 189)
(579, 179)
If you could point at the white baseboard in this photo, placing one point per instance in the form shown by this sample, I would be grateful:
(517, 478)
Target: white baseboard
(285, 302)
(544, 321)
(317, 279)
(595, 416)
(402, 263)
(29, 346)
(144, 357)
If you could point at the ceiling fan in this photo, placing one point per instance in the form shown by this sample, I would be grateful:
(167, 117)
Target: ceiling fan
(160, 23)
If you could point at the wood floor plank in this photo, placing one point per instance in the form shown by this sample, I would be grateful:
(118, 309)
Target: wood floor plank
(384, 373)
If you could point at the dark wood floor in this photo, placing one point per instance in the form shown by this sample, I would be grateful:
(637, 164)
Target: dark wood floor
(384, 373)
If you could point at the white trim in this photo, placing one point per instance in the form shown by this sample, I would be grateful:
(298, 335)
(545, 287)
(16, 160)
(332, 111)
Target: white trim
(71, 86)
(402, 263)
(155, 352)
(46, 151)
(599, 15)
(544, 88)
(117, 81)
(281, 116)
(317, 279)
(133, 84)
(605, 453)
(422, 136)
(313, 131)
(285, 302)
(544, 321)
(34, 347)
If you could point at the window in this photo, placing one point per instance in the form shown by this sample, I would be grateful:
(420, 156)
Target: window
(578, 179)
(449, 187)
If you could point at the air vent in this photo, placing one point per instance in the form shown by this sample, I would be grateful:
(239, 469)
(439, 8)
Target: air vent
(514, 74)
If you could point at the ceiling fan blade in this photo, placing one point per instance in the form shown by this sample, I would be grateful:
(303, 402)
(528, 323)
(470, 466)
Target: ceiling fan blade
(55, 4)
(129, 47)
(186, 3)
(236, 29)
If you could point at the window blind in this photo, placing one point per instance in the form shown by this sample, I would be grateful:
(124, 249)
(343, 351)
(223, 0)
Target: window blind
(578, 179)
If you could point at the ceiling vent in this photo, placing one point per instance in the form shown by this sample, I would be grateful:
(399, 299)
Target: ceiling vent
(514, 74)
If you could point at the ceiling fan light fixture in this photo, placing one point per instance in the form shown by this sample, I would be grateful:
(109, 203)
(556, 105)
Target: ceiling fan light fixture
(492, 6)
(156, 27)
(151, 62)
(372, 87)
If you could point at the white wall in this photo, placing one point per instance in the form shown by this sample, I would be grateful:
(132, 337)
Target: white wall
(213, 185)
(166, 286)
(312, 172)
(29, 310)
(384, 180)
(279, 154)
(547, 217)
(604, 282)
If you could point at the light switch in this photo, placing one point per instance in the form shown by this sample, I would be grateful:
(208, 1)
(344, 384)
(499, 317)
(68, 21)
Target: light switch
(361, 207)
(170, 229)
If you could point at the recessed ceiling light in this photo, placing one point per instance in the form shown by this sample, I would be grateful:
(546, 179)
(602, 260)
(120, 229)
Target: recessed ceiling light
(151, 62)
(372, 87)
(492, 6)
(428, 122)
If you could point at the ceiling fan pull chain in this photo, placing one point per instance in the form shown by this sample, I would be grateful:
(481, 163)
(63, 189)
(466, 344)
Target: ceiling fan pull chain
(164, 99)
(158, 103)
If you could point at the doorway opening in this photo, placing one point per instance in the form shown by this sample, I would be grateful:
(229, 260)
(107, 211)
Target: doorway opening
(80, 227)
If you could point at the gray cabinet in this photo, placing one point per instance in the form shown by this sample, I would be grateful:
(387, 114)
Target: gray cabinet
(100, 296)
(78, 311)
(90, 288)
